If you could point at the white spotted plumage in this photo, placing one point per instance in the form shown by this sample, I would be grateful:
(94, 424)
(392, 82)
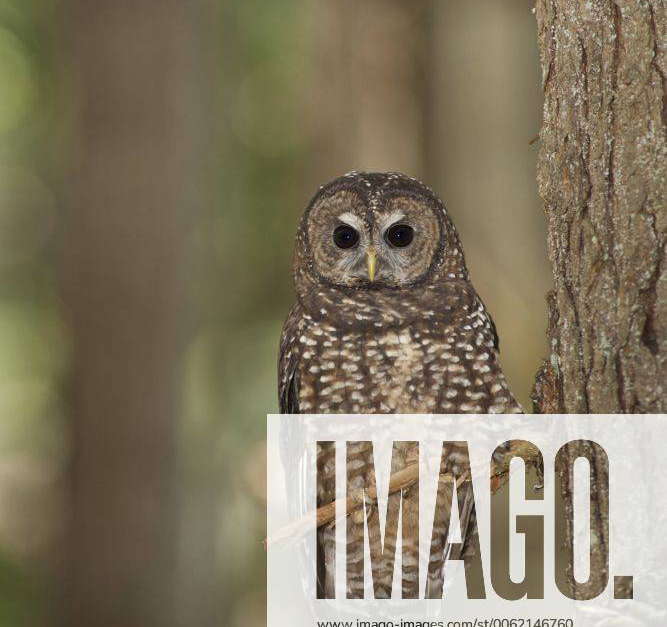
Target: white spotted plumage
(424, 344)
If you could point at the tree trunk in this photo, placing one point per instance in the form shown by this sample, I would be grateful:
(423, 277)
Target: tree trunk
(601, 173)
(372, 83)
(486, 104)
(129, 192)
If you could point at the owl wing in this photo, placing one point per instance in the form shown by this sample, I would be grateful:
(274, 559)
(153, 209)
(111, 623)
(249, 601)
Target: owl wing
(288, 360)
(291, 438)
(288, 398)
(494, 331)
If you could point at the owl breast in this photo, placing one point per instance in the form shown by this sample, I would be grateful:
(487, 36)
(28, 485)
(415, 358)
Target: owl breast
(419, 368)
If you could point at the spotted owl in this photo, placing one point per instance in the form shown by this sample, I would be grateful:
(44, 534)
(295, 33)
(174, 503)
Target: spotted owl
(386, 321)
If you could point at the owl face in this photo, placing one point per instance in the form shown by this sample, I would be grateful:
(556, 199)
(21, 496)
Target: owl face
(372, 239)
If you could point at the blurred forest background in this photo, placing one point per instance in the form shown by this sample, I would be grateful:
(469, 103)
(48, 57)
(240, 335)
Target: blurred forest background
(154, 160)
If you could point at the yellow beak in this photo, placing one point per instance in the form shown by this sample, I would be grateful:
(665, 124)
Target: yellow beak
(371, 260)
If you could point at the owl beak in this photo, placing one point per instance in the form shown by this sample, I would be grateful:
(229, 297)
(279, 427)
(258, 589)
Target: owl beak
(371, 260)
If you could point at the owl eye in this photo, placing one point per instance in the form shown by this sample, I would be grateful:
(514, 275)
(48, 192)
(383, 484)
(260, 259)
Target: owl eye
(344, 236)
(399, 235)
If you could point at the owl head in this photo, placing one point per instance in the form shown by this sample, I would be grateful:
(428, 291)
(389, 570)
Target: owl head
(377, 231)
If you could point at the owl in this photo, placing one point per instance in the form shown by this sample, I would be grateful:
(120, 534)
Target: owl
(386, 320)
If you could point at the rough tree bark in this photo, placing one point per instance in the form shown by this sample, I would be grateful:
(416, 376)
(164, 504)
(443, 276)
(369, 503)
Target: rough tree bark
(601, 173)
(131, 68)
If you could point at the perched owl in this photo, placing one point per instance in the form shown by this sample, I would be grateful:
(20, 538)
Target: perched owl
(386, 318)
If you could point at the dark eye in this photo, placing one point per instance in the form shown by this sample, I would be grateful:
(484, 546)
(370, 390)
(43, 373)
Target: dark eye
(399, 235)
(345, 236)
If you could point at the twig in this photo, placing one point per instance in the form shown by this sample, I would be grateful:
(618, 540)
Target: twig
(400, 480)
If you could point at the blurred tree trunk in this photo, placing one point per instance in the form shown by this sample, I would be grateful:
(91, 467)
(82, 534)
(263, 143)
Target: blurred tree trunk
(601, 173)
(372, 87)
(486, 108)
(130, 188)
